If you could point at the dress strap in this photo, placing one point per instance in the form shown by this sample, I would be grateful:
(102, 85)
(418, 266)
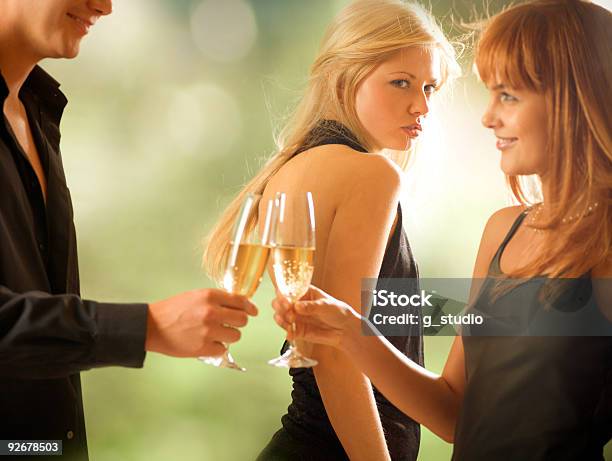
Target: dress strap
(399, 223)
(330, 132)
(495, 267)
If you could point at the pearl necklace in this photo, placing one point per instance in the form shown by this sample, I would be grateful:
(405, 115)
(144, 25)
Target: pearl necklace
(538, 210)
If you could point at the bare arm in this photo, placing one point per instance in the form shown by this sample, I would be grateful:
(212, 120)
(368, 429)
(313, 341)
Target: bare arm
(355, 250)
(431, 399)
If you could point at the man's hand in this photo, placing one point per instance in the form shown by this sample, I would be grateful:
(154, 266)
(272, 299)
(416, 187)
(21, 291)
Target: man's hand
(196, 323)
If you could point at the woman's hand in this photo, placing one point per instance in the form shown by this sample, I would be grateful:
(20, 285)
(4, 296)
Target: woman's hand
(318, 318)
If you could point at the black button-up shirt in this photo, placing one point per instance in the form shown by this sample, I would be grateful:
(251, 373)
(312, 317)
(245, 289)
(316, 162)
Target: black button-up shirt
(47, 332)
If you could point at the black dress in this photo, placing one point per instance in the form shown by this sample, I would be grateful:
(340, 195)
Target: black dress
(306, 432)
(533, 397)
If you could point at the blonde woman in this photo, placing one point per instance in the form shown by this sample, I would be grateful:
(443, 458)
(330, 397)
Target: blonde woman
(369, 89)
(547, 65)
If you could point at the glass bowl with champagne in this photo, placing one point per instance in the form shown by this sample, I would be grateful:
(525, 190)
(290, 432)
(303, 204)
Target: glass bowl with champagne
(292, 248)
(246, 261)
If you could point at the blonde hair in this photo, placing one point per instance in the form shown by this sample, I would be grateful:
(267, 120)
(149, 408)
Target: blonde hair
(361, 36)
(561, 49)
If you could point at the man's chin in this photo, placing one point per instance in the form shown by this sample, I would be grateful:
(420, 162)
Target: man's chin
(72, 52)
(67, 52)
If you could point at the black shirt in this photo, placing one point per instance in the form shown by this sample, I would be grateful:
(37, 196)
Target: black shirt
(47, 332)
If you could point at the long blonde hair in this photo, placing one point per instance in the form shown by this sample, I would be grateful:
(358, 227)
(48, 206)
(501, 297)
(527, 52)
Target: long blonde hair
(561, 49)
(360, 37)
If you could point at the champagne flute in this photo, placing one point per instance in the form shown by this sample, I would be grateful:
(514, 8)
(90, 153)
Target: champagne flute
(292, 243)
(245, 264)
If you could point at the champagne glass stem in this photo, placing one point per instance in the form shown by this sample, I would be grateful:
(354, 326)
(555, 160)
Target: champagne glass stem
(292, 343)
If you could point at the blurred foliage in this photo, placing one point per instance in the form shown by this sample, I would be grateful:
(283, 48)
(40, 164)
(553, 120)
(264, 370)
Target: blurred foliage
(158, 137)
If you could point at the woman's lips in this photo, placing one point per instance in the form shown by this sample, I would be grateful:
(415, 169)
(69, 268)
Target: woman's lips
(505, 143)
(412, 131)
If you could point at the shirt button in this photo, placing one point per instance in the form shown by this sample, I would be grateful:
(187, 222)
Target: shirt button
(70, 435)
(41, 246)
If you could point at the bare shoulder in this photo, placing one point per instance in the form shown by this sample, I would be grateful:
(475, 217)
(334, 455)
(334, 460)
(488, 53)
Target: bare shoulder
(365, 167)
(499, 224)
(382, 166)
(374, 179)
(348, 167)
(496, 229)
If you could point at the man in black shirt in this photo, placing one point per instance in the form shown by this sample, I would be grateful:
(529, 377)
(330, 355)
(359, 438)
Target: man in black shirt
(48, 333)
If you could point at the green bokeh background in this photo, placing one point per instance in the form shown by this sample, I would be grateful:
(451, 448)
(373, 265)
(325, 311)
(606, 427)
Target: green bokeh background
(159, 135)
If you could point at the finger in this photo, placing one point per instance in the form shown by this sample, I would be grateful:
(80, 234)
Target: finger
(317, 334)
(314, 293)
(230, 317)
(212, 349)
(233, 301)
(281, 306)
(282, 322)
(309, 308)
(287, 312)
(223, 334)
(302, 326)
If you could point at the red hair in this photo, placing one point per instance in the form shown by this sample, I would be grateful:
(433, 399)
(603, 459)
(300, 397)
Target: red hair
(561, 48)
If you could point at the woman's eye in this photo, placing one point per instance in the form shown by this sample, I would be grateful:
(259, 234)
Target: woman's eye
(506, 97)
(400, 83)
(430, 89)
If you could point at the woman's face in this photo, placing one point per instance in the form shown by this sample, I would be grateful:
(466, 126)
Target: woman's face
(519, 120)
(393, 99)
(55, 28)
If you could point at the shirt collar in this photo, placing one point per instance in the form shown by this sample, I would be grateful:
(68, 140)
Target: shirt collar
(43, 87)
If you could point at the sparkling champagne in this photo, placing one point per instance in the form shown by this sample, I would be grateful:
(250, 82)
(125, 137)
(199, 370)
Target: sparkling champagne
(293, 267)
(245, 272)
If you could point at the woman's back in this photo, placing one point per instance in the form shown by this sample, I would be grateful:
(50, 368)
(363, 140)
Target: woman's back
(330, 172)
(333, 171)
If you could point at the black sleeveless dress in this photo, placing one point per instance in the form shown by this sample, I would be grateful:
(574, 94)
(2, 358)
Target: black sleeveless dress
(533, 397)
(306, 433)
